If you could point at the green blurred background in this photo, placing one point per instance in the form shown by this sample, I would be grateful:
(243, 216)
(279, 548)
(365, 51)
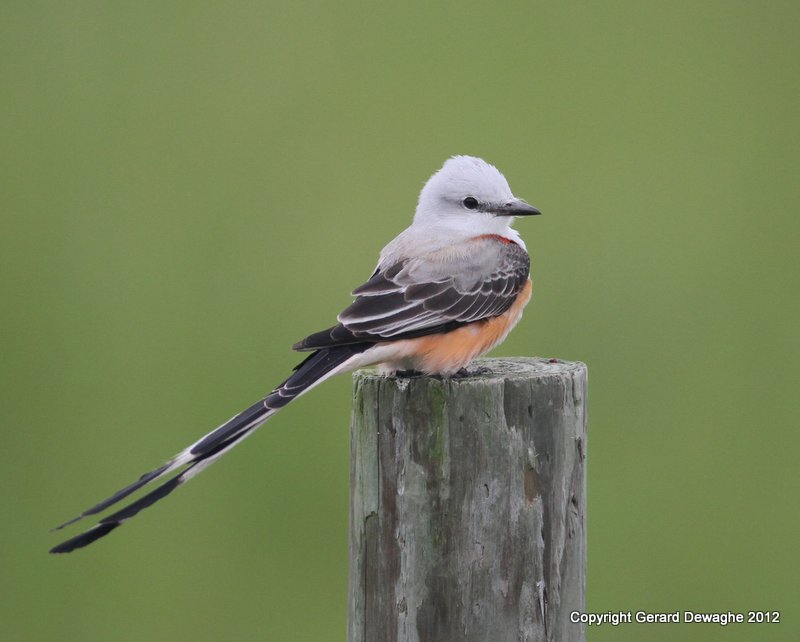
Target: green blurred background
(190, 187)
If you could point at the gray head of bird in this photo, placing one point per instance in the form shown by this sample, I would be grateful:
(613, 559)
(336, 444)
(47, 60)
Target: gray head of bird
(470, 195)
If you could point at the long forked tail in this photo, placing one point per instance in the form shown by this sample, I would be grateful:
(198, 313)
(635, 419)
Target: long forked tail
(316, 368)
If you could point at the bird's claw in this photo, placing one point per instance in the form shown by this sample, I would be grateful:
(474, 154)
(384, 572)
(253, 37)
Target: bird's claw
(408, 374)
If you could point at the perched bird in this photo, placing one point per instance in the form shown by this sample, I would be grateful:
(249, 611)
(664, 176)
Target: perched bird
(448, 289)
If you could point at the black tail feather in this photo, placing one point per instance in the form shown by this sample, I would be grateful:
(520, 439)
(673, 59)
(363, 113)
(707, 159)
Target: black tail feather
(110, 522)
(119, 495)
(205, 451)
(305, 375)
(86, 538)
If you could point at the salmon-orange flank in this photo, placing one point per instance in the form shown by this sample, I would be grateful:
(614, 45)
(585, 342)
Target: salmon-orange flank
(449, 352)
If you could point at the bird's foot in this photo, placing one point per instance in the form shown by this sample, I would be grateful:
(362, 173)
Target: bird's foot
(466, 372)
(407, 374)
(460, 374)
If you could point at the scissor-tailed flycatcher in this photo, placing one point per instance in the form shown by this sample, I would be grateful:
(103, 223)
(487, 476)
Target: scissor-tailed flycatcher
(446, 290)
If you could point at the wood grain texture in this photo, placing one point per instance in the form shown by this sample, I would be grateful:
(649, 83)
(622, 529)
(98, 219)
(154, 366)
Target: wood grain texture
(468, 504)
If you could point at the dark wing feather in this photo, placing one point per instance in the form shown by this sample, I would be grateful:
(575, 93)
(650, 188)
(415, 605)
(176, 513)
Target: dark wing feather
(412, 298)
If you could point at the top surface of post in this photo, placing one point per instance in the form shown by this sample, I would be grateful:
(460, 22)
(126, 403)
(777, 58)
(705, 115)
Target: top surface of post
(501, 368)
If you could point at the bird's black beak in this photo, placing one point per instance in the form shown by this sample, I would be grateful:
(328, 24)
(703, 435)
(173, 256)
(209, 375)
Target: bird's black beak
(515, 208)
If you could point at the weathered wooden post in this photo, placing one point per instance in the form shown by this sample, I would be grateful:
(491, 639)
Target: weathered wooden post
(468, 504)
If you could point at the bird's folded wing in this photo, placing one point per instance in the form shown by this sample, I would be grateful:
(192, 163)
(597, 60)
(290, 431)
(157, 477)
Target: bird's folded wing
(418, 296)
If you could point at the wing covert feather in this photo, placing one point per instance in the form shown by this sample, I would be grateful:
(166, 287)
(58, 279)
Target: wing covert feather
(419, 296)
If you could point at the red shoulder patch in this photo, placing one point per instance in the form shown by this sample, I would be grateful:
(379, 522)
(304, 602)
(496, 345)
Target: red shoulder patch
(496, 237)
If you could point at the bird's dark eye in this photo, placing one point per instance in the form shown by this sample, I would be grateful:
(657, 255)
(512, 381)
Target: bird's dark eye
(470, 202)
